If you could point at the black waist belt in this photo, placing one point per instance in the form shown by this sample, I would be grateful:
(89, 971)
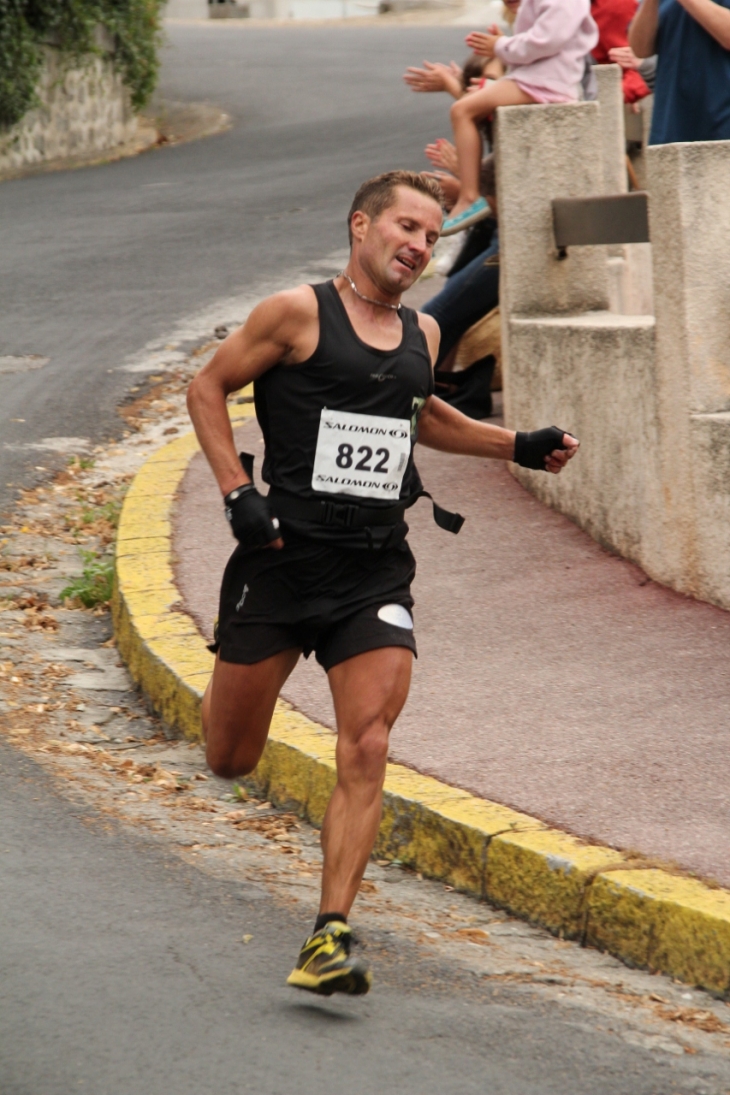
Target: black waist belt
(351, 514)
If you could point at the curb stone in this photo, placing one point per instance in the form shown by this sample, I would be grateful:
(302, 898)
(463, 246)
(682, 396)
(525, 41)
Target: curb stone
(643, 915)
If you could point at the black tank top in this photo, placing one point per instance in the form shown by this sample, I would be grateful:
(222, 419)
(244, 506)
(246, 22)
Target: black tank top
(343, 374)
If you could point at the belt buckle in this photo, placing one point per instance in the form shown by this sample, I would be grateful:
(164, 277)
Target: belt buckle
(339, 513)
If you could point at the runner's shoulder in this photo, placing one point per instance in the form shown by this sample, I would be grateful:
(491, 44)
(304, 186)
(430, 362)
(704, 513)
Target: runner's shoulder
(431, 331)
(290, 306)
(428, 324)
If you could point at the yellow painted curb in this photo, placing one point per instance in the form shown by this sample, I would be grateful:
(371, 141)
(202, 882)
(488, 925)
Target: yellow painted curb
(647, 917)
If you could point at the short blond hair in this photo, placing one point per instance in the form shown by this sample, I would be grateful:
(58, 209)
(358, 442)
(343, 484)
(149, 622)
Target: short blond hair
(378, 194)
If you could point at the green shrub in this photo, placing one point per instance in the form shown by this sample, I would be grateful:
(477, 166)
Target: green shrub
(69, 25)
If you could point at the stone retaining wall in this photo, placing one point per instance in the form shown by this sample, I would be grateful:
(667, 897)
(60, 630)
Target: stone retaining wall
(84, 110)
(648, 394)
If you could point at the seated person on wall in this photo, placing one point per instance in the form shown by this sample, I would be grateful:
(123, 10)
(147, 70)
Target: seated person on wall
(468, 296)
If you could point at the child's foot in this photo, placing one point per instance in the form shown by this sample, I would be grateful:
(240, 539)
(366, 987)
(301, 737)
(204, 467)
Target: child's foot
(464, 216)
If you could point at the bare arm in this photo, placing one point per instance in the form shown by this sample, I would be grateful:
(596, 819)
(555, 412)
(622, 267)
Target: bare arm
(272, 334)
(442, 427)
(713, 17)
(435, 76)
(643, 29)
(448, 430)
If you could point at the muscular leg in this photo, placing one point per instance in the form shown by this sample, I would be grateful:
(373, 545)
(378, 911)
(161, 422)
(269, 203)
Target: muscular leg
(237, 708)
(465, 113)
(369, 692)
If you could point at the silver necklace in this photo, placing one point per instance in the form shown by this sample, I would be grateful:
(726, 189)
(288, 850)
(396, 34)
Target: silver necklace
(368, 300)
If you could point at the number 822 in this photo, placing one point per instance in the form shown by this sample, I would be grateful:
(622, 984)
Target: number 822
(345, 458)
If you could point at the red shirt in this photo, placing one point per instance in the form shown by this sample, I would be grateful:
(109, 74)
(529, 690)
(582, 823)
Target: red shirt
(613, 18)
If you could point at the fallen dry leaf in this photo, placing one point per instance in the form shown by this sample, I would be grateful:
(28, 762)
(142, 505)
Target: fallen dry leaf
(695, 1017)
(473, 935)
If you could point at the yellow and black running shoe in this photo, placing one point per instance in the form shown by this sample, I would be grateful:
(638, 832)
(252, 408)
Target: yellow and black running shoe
(325, 965)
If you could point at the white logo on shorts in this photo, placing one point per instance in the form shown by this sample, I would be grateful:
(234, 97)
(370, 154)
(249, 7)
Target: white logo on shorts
(396, 615)
(239, 606)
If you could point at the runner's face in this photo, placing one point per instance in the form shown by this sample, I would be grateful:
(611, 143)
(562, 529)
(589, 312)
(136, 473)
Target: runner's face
(399, 243)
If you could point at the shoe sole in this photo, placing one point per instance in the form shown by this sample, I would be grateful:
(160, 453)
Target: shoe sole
(352, 982)
(468, 223)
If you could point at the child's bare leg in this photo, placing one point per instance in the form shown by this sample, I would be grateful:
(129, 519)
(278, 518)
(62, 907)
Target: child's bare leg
(465, 114)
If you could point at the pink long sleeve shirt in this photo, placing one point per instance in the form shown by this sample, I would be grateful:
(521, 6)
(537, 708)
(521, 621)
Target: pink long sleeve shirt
(549, 46)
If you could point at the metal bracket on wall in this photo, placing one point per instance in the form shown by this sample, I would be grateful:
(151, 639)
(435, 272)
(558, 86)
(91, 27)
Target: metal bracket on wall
(612, 218)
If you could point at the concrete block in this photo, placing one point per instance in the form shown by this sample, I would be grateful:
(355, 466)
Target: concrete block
(613, 137)
(690, 231)
(593, 375)
(546, 152)
(709, 436)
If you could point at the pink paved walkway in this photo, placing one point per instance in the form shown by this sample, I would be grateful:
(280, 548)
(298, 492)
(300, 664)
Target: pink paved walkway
(552, 676)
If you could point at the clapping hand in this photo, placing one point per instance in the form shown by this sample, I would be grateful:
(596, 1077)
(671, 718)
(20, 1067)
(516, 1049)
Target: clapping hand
(625, 57)
(483, 44)
(442, 154)
(450, 186)
(435, 76)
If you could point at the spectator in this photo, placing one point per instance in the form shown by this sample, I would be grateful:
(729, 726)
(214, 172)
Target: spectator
(692, 89)
(442, 155)
(612, 19)
(468, 296)
(546, 59)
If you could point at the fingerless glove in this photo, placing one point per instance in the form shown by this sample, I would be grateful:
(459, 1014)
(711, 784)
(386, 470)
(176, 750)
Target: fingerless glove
(249, 516)
(532, 448)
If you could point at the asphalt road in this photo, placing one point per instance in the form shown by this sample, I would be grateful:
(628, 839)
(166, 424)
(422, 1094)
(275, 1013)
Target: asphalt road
(96, 262)
(123, 974)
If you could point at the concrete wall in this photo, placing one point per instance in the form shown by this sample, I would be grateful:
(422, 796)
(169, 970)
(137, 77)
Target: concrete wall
(690, 229)
(186, 9)
(648, 396)
(83, 110)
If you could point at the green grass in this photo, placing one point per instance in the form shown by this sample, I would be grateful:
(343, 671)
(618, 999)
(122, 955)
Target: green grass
(108, 512)
(94, 585)
(84, 463)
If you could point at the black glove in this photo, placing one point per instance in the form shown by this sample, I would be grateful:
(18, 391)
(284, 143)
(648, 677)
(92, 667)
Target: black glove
(532, 448)
(250, 518)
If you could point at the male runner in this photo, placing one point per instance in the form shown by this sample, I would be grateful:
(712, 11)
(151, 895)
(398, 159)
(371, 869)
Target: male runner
(343, 385)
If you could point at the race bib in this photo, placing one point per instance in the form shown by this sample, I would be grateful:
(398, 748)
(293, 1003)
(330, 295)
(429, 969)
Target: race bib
(365, 455)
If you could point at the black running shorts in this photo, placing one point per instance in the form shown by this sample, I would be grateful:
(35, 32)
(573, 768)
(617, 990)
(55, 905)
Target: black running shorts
(335, 601)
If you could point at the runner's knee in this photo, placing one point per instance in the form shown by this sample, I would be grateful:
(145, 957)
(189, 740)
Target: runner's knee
(460, 109)
(229, 760)
(364, 755)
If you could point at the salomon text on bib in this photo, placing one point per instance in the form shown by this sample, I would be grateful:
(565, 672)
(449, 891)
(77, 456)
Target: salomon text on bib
(364, 455)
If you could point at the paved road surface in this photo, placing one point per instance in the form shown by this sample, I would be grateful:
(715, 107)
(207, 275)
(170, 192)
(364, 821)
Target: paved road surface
(123, 974)
(94, 263)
